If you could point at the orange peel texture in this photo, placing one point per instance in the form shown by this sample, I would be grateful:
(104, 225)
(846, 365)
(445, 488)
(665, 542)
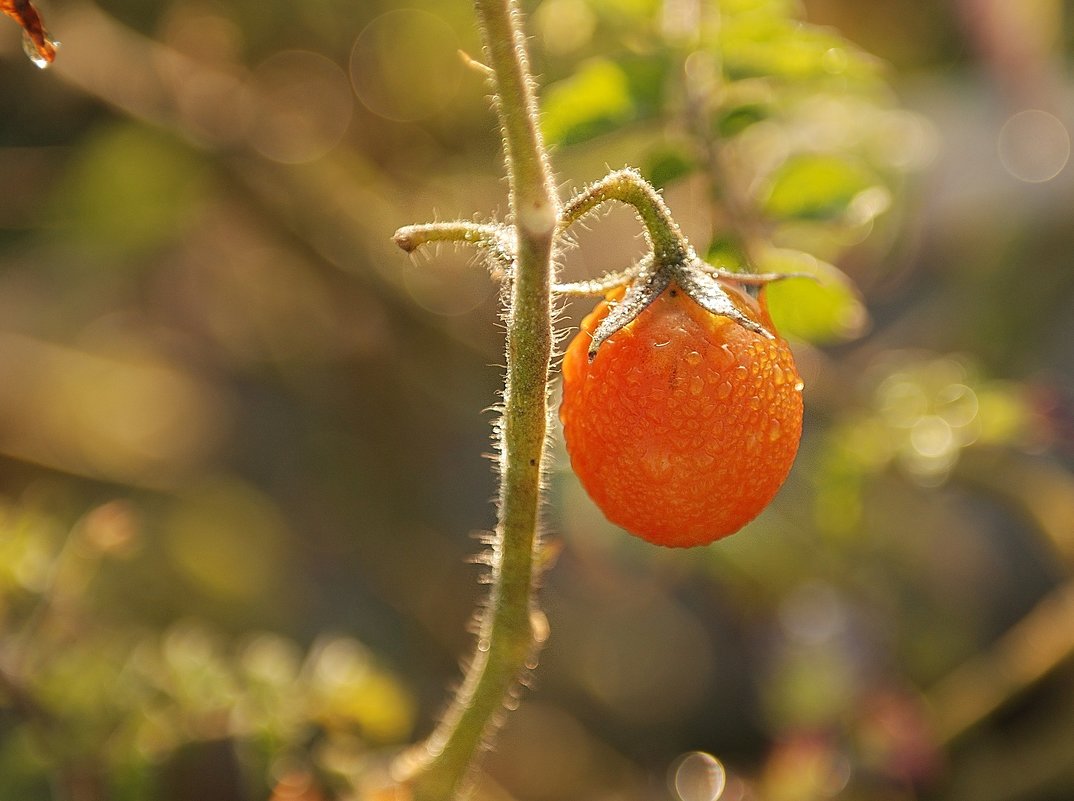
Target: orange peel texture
(685, 424)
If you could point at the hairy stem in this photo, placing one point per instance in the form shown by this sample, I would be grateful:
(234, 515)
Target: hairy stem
(508, 636)
(628, 186)
(411, 237)
(495, 241)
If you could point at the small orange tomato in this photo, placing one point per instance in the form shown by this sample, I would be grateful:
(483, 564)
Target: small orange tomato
(685, 423)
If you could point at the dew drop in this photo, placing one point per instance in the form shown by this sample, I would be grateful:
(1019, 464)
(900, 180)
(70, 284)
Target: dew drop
(799, 386)
(693, 357)
(778, 376)
(37, 55)
(755, 403)
(697, 385)
(741, 373)
(724, 390)
(775, 431)
(656, 464)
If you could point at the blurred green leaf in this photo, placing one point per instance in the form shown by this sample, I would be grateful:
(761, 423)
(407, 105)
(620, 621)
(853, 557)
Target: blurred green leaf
(766, 42)
(667, 163)
(23, 767)
(734, 120)
(130, 189)
(725, 253)
(627, 13)
(816, 187)
(593, 100)
(827, 309)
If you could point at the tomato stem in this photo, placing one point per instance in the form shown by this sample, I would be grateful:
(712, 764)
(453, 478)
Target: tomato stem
(411, 237)
(495, 241)
(511, 627)
(628, 186)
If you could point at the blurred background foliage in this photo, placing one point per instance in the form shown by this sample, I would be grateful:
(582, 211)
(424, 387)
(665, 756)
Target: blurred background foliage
(241, 436)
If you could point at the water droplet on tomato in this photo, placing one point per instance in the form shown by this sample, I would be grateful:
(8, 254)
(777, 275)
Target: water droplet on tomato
(775, 431)
(693, 357)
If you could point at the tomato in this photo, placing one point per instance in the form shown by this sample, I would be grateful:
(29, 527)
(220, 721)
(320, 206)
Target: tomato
(685, 423)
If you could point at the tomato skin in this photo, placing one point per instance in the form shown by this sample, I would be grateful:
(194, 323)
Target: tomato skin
(685, 424)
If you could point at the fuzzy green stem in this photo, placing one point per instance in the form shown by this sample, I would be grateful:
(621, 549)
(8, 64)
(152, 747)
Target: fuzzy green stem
(627, 186)
(507, 639)
(494, 240)
(411, 237)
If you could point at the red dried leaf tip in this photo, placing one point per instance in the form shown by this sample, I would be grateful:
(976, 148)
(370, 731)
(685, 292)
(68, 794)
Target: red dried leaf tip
(36, 42)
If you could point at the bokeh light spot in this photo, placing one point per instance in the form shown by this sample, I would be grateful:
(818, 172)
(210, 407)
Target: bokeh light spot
(405, 65)
(698, 777)
(931, 436)
(812, 614)
(565, 25)
(304, 107)
(1034, 146)
(449, 285)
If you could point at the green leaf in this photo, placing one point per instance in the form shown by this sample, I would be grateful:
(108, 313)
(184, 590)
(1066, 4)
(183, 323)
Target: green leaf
(667, 163)
(595, 99)
(816, 187)
(821, 309)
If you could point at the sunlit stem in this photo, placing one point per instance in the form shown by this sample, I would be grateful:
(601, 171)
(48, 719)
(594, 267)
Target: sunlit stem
(756, 279)
(511, 626)
(627, 186)
(412, 237)
(495, 240)
(599, 286)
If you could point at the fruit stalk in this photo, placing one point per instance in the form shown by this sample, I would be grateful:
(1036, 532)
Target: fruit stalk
(628, 186)
(508, 636)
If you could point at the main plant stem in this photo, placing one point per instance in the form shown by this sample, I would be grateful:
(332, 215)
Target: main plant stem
(507, 639)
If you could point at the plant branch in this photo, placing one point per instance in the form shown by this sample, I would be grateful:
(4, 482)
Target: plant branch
(1034, 647)
(628, 186)
(411, 237)
(496, 241)
(511, 627)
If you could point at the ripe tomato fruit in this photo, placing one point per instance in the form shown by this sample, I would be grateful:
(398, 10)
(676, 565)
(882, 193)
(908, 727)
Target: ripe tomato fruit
(685, 423)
